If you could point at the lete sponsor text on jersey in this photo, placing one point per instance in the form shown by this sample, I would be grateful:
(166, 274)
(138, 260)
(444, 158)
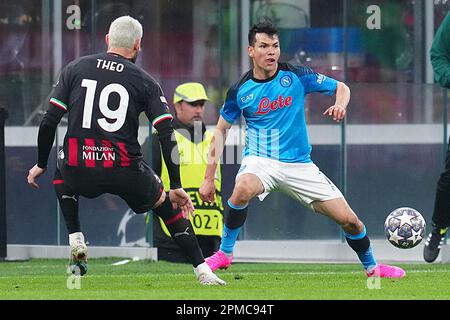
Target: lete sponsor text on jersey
(266, 105)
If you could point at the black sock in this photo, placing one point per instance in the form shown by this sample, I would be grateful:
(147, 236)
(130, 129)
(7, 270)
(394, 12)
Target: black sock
(68, 203)
(181, 231)
(360, 243)
(235, 217)
(234, 220)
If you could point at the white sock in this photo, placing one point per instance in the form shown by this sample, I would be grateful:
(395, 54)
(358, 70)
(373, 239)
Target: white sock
(75, 236)
(202, 268)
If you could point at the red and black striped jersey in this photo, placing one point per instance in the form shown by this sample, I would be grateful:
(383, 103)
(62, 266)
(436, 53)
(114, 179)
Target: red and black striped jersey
(104, 94)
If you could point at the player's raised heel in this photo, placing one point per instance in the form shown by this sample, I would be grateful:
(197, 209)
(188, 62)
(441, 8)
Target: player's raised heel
(206, 277)
(219, 260)
(386, 271)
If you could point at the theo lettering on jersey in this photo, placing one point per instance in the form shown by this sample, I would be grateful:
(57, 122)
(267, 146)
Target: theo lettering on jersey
(266, 105)
(109, 65)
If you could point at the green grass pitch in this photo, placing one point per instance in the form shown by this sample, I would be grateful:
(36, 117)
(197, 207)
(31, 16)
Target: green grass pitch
(47, 279)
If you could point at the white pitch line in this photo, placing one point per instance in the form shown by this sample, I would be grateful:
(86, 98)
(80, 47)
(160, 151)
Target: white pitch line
(233, 273)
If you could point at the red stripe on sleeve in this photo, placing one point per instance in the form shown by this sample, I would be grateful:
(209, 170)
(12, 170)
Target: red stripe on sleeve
(56, 104)
(173, 219)
(90, 154)
(73, 152)
(124, 159)
(58, 181)
(108, 154)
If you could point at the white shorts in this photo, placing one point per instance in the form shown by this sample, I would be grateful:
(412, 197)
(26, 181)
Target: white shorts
(302, 181)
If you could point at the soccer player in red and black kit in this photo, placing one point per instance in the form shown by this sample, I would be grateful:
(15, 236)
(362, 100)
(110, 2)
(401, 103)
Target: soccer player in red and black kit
(103, 95)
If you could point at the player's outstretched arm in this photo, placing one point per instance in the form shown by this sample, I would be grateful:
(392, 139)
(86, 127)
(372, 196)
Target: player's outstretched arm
(169, 146)
(46, 136)
(339, 109)
(208, 189)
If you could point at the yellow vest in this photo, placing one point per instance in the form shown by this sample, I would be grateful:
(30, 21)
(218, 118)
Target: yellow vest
(208, 219)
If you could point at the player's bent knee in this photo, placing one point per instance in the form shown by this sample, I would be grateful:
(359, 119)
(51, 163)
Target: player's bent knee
(241, 194)
(246, 188)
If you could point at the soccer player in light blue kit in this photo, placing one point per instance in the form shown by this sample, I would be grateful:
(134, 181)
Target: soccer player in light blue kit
(277, 150)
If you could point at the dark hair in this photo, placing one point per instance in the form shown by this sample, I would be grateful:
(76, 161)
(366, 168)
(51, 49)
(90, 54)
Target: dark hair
(262, 27)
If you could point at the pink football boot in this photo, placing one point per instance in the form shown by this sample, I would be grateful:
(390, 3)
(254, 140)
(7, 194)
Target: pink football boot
(386, 271)
(219, 260)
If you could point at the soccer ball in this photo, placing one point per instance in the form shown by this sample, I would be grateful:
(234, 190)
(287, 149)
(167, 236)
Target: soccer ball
(404, 227)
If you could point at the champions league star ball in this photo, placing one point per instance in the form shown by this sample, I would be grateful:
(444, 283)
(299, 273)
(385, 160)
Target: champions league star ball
(404, 227)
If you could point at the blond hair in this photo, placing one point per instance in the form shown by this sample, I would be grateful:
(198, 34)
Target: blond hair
(123, 32)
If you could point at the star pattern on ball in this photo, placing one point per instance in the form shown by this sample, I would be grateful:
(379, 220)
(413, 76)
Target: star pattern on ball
(405, 219)
(415, 237)
(393, 236)
(404, 227)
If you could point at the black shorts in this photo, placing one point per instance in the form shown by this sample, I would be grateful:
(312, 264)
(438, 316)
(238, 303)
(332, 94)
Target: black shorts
(139, 186)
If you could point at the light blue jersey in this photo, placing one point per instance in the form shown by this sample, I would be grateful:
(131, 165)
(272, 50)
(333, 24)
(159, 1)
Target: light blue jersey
(274, 111)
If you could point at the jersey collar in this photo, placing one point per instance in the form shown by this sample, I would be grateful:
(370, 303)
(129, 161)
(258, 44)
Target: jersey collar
(268, 79)
(119, 55)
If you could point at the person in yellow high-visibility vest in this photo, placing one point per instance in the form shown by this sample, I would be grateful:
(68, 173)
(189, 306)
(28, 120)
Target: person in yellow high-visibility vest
(193, 143)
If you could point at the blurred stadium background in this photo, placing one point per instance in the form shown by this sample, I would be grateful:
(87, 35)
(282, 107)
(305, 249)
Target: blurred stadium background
(387, 154)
